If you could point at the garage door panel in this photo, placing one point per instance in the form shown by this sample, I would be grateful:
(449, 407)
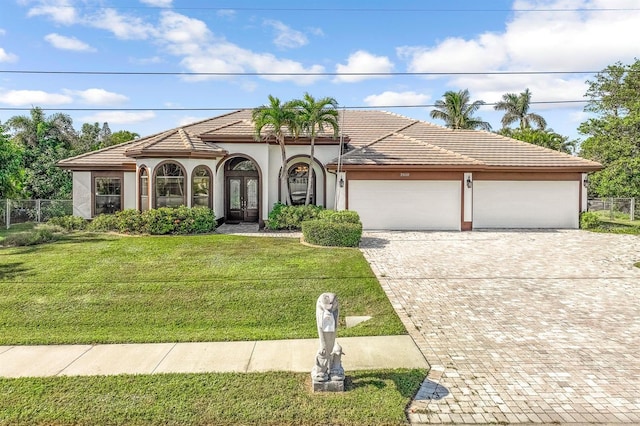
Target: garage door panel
(525, 204)
(416, 205)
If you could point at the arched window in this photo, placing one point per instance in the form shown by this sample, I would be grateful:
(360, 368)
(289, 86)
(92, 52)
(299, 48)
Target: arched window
(201, 187)
(169, 185)
(144, 189)
(241, 164)
(297, 179)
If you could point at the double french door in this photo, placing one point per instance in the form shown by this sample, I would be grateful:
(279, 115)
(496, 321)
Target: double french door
(242, 198)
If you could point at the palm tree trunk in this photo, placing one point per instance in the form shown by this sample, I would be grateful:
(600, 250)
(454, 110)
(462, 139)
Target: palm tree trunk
(310, 172)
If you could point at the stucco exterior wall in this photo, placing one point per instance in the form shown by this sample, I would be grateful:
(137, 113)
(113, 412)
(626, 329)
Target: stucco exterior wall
(82, 194)
(129, 191)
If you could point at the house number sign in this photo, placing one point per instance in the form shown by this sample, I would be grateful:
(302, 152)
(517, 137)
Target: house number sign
(405, 174)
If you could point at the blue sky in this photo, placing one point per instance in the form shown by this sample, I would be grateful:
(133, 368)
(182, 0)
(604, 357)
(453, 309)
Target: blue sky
(249, 36)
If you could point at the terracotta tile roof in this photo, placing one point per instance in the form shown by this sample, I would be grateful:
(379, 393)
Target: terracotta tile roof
(373, 137)
(397, 149)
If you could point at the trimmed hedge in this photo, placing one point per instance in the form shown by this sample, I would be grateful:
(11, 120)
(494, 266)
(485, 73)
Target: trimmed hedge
(162, 221)
(342, 216)
(291, 217)
(323, 232)
(69, 223)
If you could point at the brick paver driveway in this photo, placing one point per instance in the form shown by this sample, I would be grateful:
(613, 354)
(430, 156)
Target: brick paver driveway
(519, 327)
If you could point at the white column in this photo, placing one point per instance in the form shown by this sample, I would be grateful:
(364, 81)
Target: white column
(468, 197)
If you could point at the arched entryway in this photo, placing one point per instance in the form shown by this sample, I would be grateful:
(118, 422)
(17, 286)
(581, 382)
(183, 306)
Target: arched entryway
(242, 190)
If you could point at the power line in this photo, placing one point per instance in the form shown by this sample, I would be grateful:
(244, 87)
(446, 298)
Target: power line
(243, 108)
(293, 74)
(354, 9)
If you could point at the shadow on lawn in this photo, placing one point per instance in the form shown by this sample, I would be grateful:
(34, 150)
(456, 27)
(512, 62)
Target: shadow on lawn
(407, 382)
(11, 270)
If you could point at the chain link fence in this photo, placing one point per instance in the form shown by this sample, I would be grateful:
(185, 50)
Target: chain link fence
(615, 208)
(22, 211)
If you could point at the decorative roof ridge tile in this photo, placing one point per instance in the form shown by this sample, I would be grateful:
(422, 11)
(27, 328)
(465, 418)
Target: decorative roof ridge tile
(439, 148)
(233, 123)
(186, 140)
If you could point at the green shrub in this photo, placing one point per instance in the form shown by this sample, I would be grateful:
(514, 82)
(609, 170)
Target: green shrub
(158, 221)
(342, 216)
(69, 223)
(129, 221)
(204, 220)
(337, 234)
(291, 217)
(590, 220)
(103, 223)
(38, 235)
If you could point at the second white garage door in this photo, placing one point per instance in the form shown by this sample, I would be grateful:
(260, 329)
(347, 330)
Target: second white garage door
(410, 205)
(525, 204)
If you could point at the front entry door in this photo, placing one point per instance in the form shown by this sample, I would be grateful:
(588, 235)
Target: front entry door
(242, 198)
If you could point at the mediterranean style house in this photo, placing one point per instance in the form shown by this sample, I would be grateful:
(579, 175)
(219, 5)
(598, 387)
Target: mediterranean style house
(396, 172)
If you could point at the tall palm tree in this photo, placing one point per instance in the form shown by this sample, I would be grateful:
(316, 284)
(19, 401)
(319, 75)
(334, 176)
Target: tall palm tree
(516, 108)
(313, 116)
(457, 110)
(36, 129)
(273, 121)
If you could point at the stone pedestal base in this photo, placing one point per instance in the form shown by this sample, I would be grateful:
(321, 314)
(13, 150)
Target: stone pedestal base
(330, 386)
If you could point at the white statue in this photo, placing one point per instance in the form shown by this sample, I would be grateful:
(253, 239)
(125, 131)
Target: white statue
(328, 364)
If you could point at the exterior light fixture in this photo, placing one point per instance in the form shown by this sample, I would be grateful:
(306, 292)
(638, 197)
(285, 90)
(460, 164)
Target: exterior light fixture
(469, 182)
(341, 183)
(585, 182)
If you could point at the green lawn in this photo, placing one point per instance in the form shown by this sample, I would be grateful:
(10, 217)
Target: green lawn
(114, 289)
(107, 288)
(371, 398)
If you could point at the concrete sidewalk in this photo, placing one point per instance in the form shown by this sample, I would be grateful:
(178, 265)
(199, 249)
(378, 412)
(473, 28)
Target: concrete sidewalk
(361, 353)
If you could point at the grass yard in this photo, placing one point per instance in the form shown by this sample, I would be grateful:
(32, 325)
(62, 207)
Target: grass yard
(116, 289)
(374, 397)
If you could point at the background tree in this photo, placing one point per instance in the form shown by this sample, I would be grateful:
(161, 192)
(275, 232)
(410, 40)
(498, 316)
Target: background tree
(45, 141)
(613, 135)
(272, 121)
(313, 116)
(546, 138)
(11, 169)
(457, 110)
(516, 108)
(122, 136)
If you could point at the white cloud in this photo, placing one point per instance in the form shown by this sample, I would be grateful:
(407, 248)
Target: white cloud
(122, 26)
(183, 35)
(99, 97)
(202, 52)
(363, 62)
(535, 41)
(158, 3)
(68, 43)
(7, 56)
(60, 11)
(119, 117)
(33, 97)
(146, 61)
(226, 13)
(390, 98)
(286, 37)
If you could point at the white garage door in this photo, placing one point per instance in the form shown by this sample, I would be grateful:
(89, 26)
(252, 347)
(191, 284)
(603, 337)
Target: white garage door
(525, 204)
(415, 204)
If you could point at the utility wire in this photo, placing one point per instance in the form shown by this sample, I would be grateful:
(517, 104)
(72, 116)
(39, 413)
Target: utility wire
(350, 9)
(275, 74)
(244, 108)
